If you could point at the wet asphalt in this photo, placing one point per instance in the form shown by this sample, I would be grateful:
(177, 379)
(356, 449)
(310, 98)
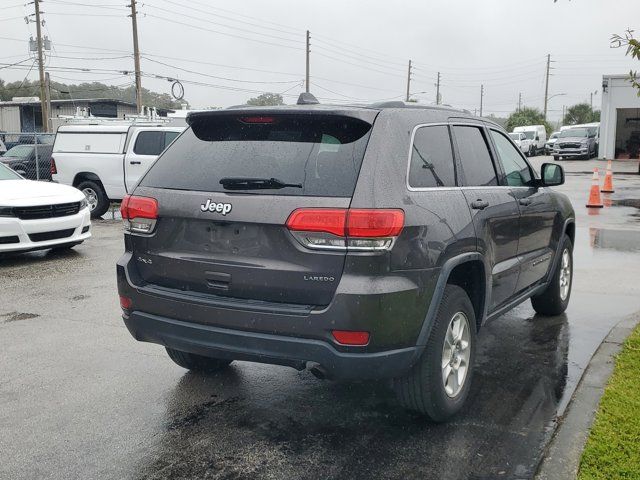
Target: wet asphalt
(79, 398)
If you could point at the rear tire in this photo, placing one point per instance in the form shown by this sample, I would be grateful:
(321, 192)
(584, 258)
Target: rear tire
(554, 299)
(96, 196)
(197, 363)
(424, 389)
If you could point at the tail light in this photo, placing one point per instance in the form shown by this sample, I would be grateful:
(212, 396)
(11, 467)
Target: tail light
(139, 214)
(341, 229)
(125, 303)
(54, 169)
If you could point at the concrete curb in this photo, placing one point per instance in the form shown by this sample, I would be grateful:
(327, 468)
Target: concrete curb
(562, 456)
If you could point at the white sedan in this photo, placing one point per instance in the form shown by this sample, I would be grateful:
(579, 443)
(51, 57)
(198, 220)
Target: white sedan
(39, 215)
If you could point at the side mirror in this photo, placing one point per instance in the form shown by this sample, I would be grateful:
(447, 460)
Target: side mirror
(552, 174)
(537, 138)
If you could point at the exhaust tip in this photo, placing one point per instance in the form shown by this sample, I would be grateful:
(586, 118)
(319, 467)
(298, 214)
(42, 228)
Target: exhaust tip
(318, 371)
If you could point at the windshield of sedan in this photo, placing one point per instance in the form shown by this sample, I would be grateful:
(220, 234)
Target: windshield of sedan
(574, 132)
(19, 151)
(7, 174)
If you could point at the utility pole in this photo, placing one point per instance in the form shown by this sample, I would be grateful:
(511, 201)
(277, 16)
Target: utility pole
(43, 101)
(438, 90)
(481, 97)
(519, 102)
(47, 96)
(408, 82)
(546, 86)
(563, 114)
(136, 55)
(306, 82)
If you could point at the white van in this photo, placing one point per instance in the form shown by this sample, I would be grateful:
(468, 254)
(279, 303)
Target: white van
(537, 133)
(106, 161)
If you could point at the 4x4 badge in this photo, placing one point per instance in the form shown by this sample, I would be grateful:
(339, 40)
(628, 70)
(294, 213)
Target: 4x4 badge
(210, 206)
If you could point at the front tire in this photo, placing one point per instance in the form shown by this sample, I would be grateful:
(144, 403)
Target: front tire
(438, 385)
(554, 299)
(197, 363)
(96, 197)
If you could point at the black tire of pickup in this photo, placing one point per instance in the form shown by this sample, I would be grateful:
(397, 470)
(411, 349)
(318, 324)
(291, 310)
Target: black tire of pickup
(197, 363)
(103, 201)
(423, 389)
(550, 302)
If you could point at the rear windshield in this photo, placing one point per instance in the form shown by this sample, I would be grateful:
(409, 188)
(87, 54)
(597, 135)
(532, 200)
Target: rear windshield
(320, 153)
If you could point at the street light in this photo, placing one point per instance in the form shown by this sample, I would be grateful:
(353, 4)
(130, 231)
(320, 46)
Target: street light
(555, 95)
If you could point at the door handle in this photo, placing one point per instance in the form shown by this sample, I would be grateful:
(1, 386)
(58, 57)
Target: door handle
(524, 201)
(135, 162)
(479, 204)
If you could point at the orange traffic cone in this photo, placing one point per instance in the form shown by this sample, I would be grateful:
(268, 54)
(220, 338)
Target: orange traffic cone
(608, 180)
(594, 194)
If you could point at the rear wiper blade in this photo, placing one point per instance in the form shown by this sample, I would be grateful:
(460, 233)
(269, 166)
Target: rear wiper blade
(242, 183)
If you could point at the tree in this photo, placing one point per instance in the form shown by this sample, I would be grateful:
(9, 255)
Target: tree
(266, 100)
(63, 91)
(633, 50)
(581, 113)
(526, 116)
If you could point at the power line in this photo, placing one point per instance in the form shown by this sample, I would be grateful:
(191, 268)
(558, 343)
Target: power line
(220, 33)
(199, 19)
(217, 77)
(244, 22)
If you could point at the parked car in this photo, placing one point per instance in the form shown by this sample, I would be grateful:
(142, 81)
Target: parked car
(22, 159)
(40, 215)
(11, 140)
(306, 236)
(548, 147)
(525, 144)
(575, 143)
(106, 161)
(535, 133)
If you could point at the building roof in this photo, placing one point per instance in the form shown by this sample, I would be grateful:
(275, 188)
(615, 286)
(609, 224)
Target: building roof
(73, 102)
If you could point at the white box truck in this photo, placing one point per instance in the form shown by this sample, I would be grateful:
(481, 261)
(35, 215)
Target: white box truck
(106, 161)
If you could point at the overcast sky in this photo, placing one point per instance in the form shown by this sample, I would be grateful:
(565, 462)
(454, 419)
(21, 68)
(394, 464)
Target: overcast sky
(359, 51)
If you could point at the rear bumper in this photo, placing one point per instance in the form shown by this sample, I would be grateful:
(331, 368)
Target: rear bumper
(391, 308)
(266, 348)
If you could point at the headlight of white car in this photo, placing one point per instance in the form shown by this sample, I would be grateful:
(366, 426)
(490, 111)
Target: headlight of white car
(6, 212)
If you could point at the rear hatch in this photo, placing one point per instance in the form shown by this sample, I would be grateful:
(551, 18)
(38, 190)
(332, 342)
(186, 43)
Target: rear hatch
(225, 189)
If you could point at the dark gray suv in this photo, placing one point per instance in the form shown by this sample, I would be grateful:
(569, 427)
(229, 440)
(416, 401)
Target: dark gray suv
(357, 242)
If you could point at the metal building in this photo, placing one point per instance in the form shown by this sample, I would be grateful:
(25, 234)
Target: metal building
(620, 118)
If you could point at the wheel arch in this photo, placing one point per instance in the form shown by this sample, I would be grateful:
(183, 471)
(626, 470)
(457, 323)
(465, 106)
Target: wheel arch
(455, 271)
(82, 176)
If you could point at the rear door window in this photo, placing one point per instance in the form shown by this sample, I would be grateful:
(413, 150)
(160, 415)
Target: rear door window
(431, 158)
(321, 153)
(477, 166)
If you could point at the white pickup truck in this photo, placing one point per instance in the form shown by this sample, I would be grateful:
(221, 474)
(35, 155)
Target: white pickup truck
(106, 161)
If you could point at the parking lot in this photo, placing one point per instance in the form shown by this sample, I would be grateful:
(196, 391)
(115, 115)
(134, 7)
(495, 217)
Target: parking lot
(81, 399)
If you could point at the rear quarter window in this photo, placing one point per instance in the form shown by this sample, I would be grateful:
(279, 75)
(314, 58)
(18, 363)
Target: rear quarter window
(431, 163)
(322, 153)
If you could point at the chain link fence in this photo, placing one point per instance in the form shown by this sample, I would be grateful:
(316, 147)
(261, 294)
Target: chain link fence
(27, 153)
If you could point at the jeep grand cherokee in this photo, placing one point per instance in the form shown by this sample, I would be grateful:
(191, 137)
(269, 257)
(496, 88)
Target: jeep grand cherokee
(358, 242)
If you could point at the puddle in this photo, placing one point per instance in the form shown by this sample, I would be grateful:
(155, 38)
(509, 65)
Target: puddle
(17, 316)
(625, 240)
(626, 202)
